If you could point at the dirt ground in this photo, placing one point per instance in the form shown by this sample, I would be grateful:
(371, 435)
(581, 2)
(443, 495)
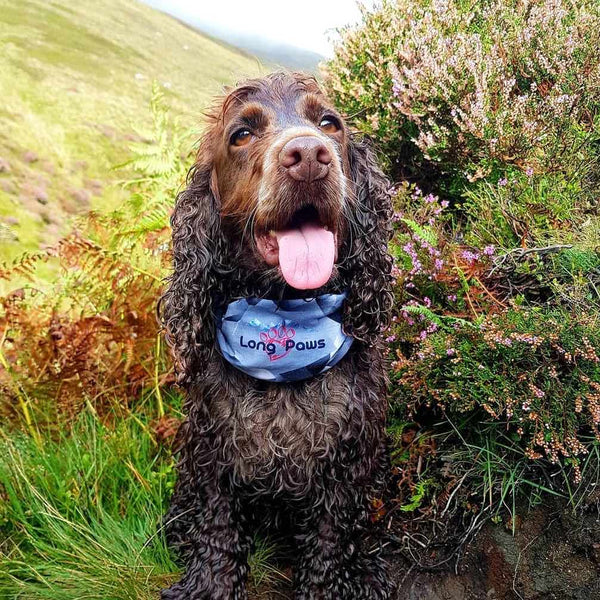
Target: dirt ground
(554, 555)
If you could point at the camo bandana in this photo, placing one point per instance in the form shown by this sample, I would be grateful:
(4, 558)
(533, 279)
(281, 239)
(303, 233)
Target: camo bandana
(285, 340)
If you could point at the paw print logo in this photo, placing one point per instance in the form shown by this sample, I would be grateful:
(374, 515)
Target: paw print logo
(280, 336)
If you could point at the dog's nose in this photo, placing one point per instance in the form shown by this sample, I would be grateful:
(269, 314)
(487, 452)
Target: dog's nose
(306, 158)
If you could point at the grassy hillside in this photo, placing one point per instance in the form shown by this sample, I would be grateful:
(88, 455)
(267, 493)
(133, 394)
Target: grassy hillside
(75, 81)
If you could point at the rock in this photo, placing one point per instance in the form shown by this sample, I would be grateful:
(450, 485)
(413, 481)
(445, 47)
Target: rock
(82, 198)
(94, 185)
(4, 166)
(30, 156)
(8, 186)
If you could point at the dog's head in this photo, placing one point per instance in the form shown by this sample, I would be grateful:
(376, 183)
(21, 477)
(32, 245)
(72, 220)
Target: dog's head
(279, 155)
(281, 196)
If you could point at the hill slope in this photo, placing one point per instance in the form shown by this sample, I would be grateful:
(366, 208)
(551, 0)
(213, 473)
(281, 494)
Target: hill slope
(75, 81)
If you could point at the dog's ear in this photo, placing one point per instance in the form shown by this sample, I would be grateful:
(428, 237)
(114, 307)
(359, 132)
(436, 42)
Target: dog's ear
(369, 264)
(186, 307)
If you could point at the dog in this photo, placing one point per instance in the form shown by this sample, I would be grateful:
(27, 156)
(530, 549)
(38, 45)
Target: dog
(281, 286)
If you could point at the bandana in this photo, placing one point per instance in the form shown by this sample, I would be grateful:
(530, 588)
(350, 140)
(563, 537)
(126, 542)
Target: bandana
(284, 340)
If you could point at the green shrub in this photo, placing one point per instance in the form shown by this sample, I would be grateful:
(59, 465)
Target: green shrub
(524, 209)
(494, 107)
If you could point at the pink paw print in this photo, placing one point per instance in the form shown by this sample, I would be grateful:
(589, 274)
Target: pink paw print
(278, 335)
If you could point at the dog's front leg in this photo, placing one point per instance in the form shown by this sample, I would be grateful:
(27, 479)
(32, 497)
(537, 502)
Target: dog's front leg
(334, 563)
(208, 530)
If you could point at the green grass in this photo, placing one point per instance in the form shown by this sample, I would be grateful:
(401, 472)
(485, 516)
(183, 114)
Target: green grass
(75, 80)
(79, 514)
(500, 480)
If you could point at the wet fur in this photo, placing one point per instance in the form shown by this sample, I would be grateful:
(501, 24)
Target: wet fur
(311, 451)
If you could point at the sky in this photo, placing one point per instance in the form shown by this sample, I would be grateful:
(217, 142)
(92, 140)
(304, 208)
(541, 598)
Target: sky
(307, 24)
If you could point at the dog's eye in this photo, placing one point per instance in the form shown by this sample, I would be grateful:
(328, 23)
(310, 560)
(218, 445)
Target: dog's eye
(329, 125)
(241, 137)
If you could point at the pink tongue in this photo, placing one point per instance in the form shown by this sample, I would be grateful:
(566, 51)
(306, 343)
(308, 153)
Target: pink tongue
(306, 256)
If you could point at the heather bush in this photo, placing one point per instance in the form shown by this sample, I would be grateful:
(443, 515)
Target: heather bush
(457, 92)
(536, 372)
(490, 110)
(437, 278)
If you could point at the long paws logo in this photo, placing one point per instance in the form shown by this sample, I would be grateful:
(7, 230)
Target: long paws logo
(278, 342)
(278, 336)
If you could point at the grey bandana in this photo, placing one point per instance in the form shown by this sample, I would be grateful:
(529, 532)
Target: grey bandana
(284, 340)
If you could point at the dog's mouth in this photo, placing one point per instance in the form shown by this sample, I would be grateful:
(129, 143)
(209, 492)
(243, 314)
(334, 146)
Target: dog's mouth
(305, 249)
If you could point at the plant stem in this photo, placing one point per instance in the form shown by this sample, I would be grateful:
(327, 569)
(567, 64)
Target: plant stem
(23, 400)
(159, 400)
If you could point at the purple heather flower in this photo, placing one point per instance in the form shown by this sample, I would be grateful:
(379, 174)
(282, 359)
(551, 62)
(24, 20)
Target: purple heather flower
(503, 182)
(489, 250)
(470, 256)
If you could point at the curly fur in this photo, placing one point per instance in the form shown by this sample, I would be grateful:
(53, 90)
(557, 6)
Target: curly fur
(313, 451)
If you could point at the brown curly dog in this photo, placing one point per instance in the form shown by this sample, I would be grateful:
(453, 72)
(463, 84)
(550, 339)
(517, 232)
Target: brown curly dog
(282, 205)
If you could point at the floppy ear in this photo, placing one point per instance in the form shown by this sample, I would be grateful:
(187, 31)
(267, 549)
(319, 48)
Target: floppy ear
(186, 307)
(369, 264)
